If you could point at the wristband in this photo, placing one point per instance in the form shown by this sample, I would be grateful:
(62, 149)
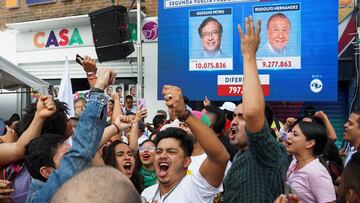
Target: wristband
(185, 116)
(91, 72)
(91, 75)
(117, 128)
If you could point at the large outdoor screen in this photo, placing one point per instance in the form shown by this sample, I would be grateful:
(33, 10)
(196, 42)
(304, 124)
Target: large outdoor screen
(199, 48)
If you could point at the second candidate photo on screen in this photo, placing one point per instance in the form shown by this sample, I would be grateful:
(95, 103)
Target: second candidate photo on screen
(281, 33)
(280, 46)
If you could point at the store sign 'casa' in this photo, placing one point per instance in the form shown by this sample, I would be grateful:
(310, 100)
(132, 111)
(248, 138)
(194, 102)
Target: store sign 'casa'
(63, 37)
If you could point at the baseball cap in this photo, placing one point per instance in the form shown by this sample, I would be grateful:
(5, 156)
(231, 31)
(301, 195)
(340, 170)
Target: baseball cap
(228, 106)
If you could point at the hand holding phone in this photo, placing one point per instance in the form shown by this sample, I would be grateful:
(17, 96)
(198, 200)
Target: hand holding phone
(87, 63)
(79, 59)
(142, 104)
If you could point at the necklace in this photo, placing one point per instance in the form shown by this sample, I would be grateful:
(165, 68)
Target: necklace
(167, 194)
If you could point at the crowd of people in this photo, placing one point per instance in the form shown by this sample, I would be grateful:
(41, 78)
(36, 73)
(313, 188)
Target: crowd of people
(215, 154)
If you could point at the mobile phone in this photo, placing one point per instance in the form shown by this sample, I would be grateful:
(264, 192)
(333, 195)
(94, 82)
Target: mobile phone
(79, 59)
(142, 104)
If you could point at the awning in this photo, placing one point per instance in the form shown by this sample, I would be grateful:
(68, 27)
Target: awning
(12, 78)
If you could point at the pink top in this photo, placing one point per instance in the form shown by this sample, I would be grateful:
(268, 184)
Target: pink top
(312, 183)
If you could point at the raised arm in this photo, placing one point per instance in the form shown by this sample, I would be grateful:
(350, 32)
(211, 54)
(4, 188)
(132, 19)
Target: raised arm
(90, 68)
(117, 107)
(213, 168)
(121, 122)
(262, 145)
(330, 131)
(86, 139)
(133, 139)
(10, 136)
(10, 152)
(290, 121)
(253, 98)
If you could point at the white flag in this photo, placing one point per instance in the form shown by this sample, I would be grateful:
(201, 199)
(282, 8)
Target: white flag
(65, 91)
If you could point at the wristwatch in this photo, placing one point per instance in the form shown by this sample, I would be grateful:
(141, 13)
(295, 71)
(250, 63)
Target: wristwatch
(185, 115)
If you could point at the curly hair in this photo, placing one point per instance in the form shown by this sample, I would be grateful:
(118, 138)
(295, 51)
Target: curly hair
(55, 124)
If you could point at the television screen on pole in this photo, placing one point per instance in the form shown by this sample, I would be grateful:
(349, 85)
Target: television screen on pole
(297, 60)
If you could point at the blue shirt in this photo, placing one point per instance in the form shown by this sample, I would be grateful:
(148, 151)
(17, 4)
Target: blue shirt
(86, 140)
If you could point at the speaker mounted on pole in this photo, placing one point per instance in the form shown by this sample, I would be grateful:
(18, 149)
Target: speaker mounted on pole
(110, 33)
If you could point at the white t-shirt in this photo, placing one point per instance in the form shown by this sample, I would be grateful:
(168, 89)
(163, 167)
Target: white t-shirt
(192, 189)
(349, 155)
(196, 162)
(312, 183)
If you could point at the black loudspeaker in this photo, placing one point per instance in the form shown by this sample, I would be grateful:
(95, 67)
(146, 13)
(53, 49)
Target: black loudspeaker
(113, 52)
(110, 29)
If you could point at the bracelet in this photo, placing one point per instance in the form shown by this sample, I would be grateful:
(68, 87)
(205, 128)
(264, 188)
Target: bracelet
(90, 75)
(117, 128)
(185, 116)
(94, 71)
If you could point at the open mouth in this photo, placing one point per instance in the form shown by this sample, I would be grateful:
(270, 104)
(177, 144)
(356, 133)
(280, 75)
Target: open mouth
(127, 166)
(164, 167)
(232, 133)
(146, 156)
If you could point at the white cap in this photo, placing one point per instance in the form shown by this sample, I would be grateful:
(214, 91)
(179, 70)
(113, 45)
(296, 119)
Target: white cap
(228, 106)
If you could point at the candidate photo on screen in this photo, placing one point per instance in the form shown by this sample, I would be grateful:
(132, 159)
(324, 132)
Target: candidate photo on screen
(210, 37)
(280, 38)
(210, 32)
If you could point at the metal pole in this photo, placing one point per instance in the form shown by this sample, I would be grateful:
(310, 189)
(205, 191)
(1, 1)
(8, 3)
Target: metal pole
(1, 82)
(139, 86)
(357, 57)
